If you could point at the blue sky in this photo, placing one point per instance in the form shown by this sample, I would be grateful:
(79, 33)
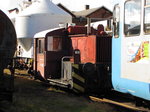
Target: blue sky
(73, 5)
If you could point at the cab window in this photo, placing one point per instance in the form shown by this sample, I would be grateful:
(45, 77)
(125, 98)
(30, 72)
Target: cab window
(116, 19)
(40, 46)
(132, 17)
(147, 2)
(54, 43)
(146, 17)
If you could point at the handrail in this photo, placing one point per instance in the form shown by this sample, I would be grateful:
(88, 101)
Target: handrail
(62, 66)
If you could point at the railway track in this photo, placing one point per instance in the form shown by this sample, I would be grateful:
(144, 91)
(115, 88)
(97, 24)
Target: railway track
(130, 106)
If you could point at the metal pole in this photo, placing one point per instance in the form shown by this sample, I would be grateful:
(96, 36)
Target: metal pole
(88, 26)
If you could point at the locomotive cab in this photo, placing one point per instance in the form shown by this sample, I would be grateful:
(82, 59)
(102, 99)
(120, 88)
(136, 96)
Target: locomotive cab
(50, 47)
(74, 59)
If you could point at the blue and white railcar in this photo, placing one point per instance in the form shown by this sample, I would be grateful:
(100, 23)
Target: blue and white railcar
(131, 48)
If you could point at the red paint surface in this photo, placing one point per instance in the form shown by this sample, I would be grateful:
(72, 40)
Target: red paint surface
(40, 64)
(87, 47)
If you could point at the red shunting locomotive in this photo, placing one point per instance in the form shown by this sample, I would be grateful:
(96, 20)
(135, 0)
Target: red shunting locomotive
(72, 58)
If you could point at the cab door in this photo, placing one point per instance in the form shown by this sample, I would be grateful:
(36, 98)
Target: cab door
(39, 56)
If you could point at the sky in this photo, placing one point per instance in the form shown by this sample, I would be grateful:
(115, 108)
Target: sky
(77, 5)
(73, 5)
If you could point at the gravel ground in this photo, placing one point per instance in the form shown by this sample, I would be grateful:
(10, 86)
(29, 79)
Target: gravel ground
(32, 96)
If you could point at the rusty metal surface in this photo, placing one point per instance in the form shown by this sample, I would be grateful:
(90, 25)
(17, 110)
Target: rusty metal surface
(87, 47)
(40, 64)
(94, 49)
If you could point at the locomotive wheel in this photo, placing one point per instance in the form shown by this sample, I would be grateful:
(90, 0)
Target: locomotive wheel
(88, 68)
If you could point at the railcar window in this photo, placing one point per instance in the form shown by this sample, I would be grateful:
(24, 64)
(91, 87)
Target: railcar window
(147, 2)
(54, 43)
(116, 19)
(132, 17)
(40, 46)
(147, 19)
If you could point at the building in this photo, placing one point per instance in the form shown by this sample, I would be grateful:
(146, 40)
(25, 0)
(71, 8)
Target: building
(88, 15)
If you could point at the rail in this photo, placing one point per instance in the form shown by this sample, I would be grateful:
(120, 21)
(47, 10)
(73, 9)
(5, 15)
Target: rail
(120, 104)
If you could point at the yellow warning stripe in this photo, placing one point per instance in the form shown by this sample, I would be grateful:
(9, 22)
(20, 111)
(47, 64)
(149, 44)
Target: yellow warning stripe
(78, 87)
(76, 66)
(113, 102)
(75, 91)
(78, 77)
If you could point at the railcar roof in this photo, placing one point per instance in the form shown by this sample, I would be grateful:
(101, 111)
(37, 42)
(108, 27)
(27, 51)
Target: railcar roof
(43, 34)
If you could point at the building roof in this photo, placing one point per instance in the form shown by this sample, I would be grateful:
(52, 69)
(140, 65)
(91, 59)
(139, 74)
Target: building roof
(65, 9)
(100, 12)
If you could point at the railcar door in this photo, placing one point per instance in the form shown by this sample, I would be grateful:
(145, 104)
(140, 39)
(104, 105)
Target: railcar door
(135, 43)
(54, 54)
(39, 57)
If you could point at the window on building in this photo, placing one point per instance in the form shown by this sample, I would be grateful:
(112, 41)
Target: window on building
(147, 17)
(132, 17)
(116, 19)
(54, 43)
